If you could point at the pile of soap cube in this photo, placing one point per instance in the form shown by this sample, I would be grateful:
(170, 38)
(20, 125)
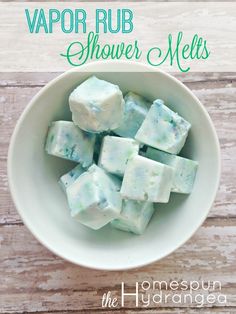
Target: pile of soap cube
(126, 150)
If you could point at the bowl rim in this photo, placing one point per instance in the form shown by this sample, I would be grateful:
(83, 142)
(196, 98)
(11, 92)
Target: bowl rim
(116, 66)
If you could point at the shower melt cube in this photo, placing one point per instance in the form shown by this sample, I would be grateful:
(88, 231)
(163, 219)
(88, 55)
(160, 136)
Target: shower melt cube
(136, 109)
(94, 198)
(96, 105)
(70, 177)
(134, 216)
(67, 141)
(98, 145)
(184, 169)
(163, 129)
(146, 180)
(115, 152)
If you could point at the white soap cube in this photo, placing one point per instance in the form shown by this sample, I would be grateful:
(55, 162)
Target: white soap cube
(147, 180)
(94, 198)
(134, 216)
(163, 129)
(184, 169)
(70, 177)
(96, 105)
(115, 152)
(136, 109)
(67, 141)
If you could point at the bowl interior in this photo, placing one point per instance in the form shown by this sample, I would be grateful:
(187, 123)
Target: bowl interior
(33, 177)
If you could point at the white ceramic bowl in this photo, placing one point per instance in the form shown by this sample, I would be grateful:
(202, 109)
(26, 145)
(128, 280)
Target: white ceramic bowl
(33, 174)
